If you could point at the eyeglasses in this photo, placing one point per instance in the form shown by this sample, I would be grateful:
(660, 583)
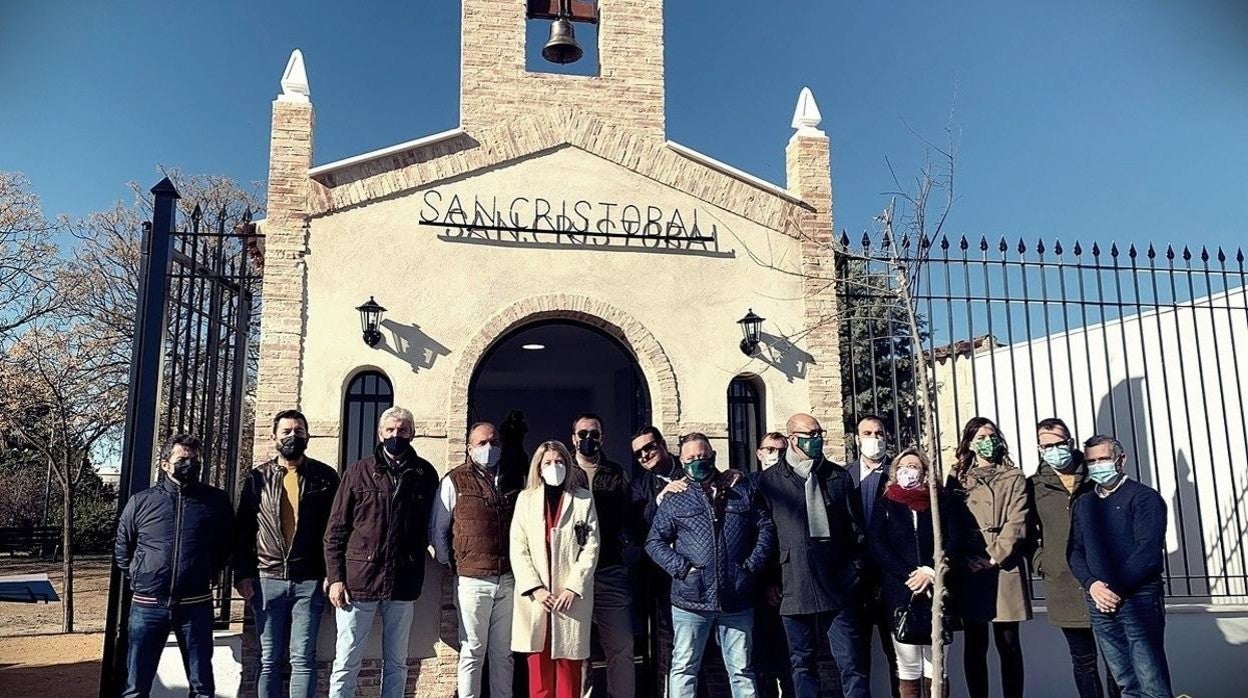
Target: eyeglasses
(589, 434)
(645, 451)
(815, 433)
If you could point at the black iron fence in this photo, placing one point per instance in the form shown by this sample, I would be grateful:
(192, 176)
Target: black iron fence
(1136, 341)
(189, 368)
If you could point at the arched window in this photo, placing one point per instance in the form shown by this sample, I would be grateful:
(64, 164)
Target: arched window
(745, 421)
(368, 395)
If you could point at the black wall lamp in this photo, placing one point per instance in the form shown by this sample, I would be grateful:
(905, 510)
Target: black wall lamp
(751, 326)
(370, 321)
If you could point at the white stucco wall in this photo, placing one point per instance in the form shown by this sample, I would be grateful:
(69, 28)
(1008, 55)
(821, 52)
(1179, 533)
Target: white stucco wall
(1170, 377)
(690, 303)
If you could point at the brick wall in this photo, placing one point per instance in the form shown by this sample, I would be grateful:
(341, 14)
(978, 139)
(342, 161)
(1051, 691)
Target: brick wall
(283, 316)
(808, 165)
(628, 91)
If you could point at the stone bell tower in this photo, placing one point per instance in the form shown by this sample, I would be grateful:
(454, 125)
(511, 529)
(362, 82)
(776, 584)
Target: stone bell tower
(626, 92)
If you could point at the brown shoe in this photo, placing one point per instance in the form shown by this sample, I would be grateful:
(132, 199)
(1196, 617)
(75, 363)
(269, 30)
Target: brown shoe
(908, 688)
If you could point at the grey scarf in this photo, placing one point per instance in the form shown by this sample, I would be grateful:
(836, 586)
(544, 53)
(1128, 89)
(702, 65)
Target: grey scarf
(816, 509)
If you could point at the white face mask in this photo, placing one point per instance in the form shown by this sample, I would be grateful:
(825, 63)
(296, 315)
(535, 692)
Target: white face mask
(771, 459)
(908, 478)
(554, 472)
(872, 448)
(486, 455)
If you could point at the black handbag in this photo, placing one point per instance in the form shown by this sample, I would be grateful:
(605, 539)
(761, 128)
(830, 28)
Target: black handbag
(912, 624)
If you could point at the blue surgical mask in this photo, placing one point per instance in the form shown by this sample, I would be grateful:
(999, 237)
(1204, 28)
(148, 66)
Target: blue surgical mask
(1103, 472)
(1059, 457)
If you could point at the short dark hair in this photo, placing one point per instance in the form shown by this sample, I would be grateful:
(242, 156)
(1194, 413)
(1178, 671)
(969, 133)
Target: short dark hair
(587, 415)
(289, 414)
(1101, 440)
(186, 441)
(771, 435)
(468, 434)
(650, 430)
(1051, 423)
(695, 436)
(870, 418)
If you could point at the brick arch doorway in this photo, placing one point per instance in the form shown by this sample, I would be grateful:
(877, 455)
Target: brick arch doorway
(553, 369)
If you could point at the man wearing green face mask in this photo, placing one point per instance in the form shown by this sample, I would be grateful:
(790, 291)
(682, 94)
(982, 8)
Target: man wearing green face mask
(714, 540)
(819, 528)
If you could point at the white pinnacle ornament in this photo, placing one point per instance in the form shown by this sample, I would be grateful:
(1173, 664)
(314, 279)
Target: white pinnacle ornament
(806, 117)
(294, 80)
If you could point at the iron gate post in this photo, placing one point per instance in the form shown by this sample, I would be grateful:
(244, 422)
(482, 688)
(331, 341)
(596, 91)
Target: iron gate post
(142, 411)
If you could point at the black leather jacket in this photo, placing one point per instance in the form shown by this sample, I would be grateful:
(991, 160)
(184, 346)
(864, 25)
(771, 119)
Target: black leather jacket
(260, 549)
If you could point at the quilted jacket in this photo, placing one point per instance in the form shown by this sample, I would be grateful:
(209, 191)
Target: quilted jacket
(713, 548)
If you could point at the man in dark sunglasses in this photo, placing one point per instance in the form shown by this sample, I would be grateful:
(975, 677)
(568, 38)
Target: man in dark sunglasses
(613, 601)
(657, 469)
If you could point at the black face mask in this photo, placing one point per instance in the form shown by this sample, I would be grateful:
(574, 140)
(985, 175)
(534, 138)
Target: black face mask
(397, 445)
(292, 446)
(187, 470)
(588, 447)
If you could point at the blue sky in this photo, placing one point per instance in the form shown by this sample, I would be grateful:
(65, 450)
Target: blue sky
(1107, 120)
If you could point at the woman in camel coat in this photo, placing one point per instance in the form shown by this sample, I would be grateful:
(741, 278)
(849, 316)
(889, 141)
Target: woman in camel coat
(988, 494)
(554, 551)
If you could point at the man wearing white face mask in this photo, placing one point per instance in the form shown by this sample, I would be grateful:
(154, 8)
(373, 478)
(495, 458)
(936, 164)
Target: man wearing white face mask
(469, 531)
(871, 474)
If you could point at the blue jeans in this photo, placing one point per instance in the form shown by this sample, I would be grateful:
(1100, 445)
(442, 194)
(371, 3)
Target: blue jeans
(148, 629)
(354, 623)
(690, 631)
(288, 616)
(845, 631)
(1133, 641)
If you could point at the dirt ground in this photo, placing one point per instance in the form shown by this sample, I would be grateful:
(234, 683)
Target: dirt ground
(90, 597)
(36, 658)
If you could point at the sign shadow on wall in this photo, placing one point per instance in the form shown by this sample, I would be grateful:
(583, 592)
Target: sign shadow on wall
(410, 343)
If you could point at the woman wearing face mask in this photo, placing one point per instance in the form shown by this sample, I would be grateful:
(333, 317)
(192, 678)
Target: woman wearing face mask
(988, 495)
(554, 552)
(902, 544)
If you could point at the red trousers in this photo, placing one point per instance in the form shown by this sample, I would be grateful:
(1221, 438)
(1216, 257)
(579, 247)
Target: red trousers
(553, 678)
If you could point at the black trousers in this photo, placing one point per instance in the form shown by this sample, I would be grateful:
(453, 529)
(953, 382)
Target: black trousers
(1083, 659)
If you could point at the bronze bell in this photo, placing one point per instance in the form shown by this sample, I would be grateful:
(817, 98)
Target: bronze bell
(562, 47)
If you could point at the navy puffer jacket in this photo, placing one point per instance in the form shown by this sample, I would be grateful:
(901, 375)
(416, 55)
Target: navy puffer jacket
(173, 542)
(713, 559)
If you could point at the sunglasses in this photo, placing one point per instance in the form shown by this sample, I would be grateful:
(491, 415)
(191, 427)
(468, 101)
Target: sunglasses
(589, 434)
(646, 450)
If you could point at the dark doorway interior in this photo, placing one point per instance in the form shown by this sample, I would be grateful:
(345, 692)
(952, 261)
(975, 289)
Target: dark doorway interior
(578, 369)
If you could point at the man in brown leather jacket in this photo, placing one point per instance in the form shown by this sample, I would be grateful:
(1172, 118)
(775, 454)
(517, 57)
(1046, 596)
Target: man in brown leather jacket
(279, 562)
(375, 553)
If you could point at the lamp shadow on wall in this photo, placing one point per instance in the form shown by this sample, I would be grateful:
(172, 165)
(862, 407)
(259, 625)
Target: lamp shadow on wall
(784, 356)
(410, 343)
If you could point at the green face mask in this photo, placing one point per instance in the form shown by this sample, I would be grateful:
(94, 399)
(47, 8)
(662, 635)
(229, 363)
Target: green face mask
(811, 445)
(989, 448)
(701, 469)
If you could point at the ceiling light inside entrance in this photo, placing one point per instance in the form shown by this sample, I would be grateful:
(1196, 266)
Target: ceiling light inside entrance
(533, 346)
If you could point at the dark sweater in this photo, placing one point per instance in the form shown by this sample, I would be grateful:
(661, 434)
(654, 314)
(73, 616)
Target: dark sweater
(1119, 539)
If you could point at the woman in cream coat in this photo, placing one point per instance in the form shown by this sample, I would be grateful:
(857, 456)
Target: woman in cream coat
(554, 551)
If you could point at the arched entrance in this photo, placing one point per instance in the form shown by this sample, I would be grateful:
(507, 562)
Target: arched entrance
(554, 369)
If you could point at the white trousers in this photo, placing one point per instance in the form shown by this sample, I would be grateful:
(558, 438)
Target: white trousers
(484, 608)
(913, 661)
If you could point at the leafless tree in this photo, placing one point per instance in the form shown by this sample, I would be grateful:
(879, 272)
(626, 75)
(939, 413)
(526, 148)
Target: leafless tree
(28, 256)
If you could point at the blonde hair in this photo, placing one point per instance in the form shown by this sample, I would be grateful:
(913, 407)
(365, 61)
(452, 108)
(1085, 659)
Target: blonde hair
(924, 465)
(535, 466)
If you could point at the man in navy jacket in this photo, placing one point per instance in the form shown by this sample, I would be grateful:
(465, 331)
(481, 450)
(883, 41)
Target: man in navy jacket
(1116, 551)
(173, 540)
(714, 541)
